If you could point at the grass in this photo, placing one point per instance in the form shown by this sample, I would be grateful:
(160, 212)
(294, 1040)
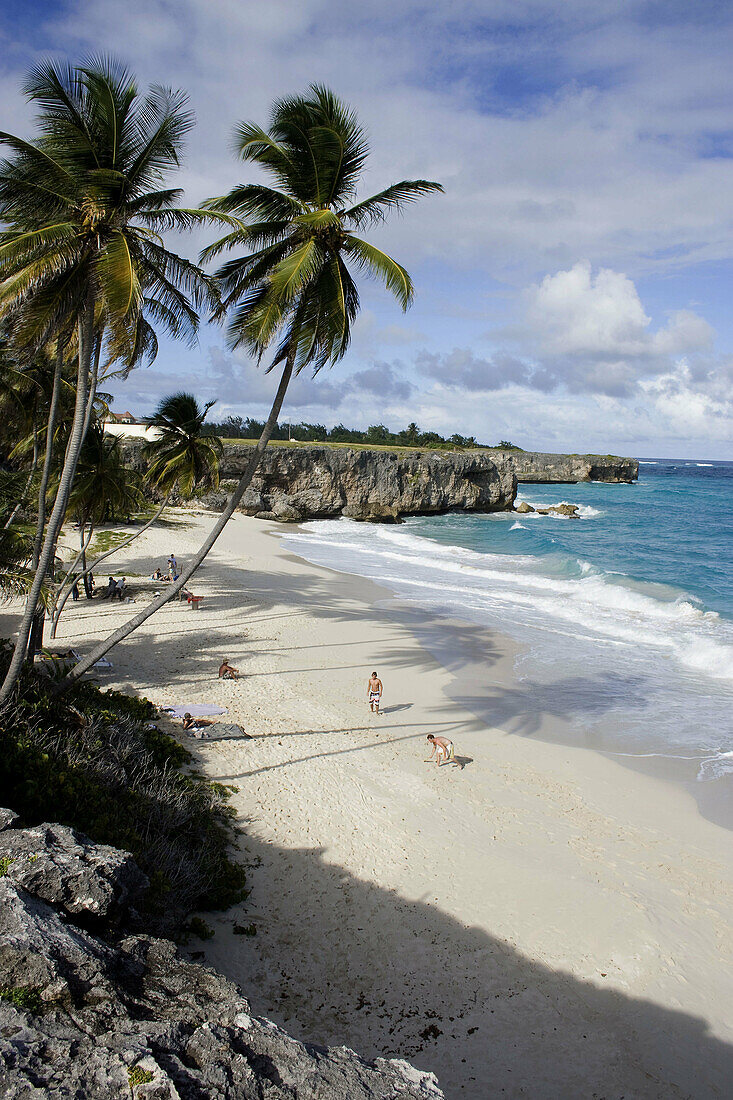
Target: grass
(22, 996)
(138, 1076)
(361, 446)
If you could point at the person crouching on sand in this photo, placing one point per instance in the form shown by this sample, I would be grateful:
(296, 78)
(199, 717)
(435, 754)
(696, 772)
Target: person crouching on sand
(374, 690)
(226, 671)
(442, 748)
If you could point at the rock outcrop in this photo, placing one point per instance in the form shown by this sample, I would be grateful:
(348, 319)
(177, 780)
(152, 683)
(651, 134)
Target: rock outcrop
(309, 482)
(84, 1016)
(533, 466)
(316, 482)
(64, 868)
(564, 509)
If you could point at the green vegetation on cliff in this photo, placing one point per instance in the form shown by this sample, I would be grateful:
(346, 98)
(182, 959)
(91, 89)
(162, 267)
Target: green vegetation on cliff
(375, 437)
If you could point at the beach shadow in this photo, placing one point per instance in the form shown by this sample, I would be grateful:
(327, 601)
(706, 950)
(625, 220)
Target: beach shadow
(340, 960)
(461, 761)
(395, 708)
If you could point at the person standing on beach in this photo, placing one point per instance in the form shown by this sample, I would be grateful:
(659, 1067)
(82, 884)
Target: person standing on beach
(442, 748)
(374, 691)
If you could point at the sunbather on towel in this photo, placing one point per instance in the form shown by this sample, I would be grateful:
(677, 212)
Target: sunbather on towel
(190, 723)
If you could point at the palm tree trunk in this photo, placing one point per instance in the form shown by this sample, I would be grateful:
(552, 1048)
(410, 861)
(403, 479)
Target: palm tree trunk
(69, 580)
(29, 480)
(46, 472)
(122, 632)
(76, 438)
(126, 542)
(36, 635)
(35, 640)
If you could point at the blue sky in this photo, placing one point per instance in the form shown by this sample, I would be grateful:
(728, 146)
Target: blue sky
(573, 283)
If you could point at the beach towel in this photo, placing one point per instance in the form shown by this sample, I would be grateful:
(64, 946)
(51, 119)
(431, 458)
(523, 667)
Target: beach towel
(220, 731)
(196, 710)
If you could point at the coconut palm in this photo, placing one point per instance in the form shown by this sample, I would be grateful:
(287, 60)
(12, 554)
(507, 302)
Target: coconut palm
(83, 205)
(292, 291)
(181, 458)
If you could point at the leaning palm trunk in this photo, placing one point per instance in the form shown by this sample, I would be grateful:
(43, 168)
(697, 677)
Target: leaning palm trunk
(29, 481)
(36, 635)
(126, 542)
(243, 484)
(35, 641)
(70, 578)
(76, 438)
(68, 584)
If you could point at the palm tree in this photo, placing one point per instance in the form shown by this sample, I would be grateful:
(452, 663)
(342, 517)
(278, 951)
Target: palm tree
(83, 205)
(182, 458)
(292, 289)
(103, 488)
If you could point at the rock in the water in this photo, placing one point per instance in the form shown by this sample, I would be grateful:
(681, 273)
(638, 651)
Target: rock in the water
(524, 508)
(66, 868)
(570, 510)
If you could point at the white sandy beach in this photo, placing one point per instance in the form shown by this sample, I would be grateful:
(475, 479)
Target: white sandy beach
(539, 922)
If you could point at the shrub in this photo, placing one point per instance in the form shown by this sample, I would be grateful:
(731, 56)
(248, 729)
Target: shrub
(89, 759)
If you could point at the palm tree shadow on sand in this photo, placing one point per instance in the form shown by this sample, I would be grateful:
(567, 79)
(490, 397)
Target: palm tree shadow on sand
(340, 960)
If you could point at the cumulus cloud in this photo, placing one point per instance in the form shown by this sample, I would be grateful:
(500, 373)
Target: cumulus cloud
(461, 369)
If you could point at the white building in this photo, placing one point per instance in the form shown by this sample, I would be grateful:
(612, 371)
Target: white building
(128, 425)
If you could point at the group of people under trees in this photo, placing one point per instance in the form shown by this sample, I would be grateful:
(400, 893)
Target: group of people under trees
(114, 589)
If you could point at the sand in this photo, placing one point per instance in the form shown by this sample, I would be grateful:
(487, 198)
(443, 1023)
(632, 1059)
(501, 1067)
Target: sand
(537, 921)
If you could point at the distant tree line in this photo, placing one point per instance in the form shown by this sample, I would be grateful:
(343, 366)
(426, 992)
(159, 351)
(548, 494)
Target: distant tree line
(239, 427)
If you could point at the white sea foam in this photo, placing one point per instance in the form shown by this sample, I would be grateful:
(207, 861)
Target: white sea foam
(517, 527)
(715, 767)
(516, 591)
(704, 464)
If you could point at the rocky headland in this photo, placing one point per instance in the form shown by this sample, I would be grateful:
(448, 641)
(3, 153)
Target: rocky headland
(317, 482)
(90, 1006)
(553, 469)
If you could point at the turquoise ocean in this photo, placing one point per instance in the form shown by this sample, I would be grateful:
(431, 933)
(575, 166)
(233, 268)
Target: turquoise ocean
(624, 617)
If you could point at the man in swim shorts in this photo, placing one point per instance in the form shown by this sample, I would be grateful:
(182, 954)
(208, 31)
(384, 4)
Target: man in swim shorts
(442, 748)
(374, 690)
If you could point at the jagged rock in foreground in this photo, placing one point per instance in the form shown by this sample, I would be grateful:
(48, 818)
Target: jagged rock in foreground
(82, 1016)
(65, 868)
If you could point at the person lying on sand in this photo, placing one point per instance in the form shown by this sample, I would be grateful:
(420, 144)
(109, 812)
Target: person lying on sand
(190, 723)
(442, 748)
(374, 690)
(226, 672)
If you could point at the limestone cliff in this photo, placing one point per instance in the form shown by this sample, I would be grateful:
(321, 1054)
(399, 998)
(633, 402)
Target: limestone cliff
(566, 469)
(295, 483)
(312, 481)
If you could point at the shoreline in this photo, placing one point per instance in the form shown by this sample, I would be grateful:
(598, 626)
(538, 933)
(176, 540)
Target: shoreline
(541, 920)
(525, 713)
